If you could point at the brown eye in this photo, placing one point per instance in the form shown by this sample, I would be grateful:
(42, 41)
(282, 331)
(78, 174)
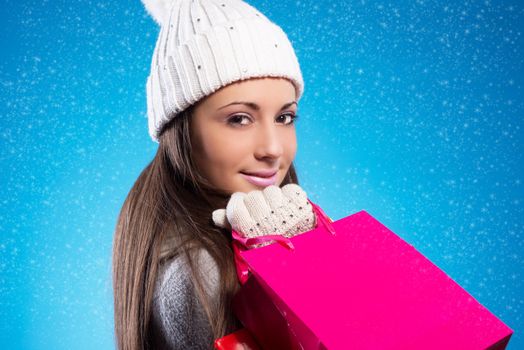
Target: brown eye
(287, 118)
(238, 119)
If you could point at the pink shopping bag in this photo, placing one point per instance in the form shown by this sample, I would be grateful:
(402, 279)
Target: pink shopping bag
(358, 287)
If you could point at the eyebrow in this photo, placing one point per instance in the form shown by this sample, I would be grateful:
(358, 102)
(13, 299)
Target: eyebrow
(254, 106)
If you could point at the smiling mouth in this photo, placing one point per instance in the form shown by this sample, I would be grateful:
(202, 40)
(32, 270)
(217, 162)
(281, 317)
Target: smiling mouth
(261, 173)
(259, 180)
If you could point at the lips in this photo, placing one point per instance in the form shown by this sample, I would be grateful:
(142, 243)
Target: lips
(261, 173)
(262, 178)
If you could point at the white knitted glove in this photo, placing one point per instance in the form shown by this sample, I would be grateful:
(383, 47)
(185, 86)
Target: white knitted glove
(273, 210)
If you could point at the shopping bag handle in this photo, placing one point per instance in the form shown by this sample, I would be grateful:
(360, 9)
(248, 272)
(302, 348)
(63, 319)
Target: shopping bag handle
(241, 243)
(249, 242)
(323, 218)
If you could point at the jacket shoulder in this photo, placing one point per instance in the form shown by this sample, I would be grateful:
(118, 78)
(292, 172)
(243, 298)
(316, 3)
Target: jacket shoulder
(178, 318)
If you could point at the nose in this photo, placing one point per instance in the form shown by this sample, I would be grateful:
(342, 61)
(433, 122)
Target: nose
(270, 142)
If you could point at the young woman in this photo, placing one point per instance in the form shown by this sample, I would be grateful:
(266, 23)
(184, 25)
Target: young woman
(222, 101)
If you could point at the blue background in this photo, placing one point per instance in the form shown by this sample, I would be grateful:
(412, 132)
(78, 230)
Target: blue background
(412, 111)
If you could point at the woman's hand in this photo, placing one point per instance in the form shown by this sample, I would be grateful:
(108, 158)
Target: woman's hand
(273, 210)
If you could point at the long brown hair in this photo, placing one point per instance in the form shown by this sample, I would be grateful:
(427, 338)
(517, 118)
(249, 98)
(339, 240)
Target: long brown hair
(168, 212)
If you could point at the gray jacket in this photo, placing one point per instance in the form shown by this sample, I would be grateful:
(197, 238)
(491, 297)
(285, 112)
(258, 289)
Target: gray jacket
(178, 319)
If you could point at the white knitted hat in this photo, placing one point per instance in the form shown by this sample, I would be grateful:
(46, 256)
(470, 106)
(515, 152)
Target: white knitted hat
(204, 45)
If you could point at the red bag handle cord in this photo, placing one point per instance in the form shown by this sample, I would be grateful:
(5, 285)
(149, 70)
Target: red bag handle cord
(324, 219)
(248, 242)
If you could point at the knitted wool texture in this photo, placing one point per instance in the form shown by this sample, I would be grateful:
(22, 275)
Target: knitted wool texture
(273, 210)
(204, 45)
(178, 320)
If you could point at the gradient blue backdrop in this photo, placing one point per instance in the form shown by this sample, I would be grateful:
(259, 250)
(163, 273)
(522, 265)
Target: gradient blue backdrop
(412, 111)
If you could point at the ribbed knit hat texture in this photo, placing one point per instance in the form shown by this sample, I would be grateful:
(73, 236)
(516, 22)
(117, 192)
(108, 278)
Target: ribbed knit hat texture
(204, 45)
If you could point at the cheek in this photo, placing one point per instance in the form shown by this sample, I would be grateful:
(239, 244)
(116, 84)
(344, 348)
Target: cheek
(222, 153)
(291, 146)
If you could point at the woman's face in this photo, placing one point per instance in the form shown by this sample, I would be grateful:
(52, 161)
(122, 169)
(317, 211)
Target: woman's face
(243, 135)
